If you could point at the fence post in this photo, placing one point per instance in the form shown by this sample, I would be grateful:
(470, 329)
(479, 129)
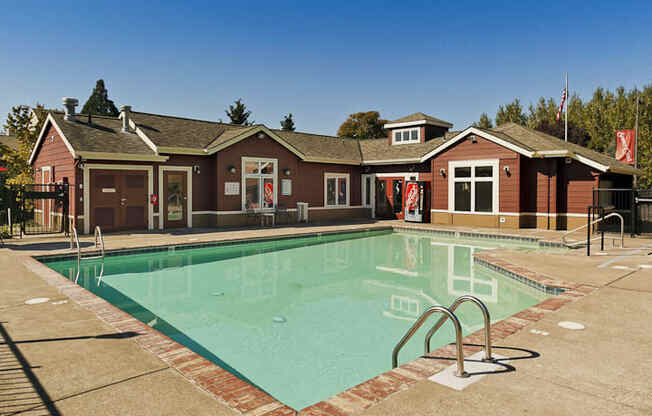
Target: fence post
(11, 225)
(588, 231)
(634, 215)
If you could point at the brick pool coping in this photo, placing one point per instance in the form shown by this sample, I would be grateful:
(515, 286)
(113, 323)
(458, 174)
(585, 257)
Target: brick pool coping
(245, 398)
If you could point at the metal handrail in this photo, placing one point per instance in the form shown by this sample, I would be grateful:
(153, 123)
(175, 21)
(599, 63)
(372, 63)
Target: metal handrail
(458, 337)
(487, 325)
(98, 233)
(588, 241)
(74, 239)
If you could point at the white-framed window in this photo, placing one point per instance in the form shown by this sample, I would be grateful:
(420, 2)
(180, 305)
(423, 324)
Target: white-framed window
(336, 189)
(473, 186)
(402, 136)
(259, 183)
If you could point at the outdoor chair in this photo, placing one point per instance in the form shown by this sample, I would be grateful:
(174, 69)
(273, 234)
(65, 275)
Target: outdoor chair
(282, 211)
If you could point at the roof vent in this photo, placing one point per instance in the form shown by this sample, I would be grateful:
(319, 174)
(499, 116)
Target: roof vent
(125, 113)
(69, 105)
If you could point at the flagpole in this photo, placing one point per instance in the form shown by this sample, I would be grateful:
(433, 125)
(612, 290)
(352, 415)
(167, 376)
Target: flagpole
(566, 110)
(636, 138)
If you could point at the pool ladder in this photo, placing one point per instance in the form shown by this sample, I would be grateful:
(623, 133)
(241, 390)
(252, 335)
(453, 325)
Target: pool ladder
(449, 314)
(99, 245)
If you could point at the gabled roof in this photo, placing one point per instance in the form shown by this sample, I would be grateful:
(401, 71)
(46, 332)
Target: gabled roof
(535, 144)
(417, 119)
(101, 139)
(380, 151)
(318, 147)
(180, 132)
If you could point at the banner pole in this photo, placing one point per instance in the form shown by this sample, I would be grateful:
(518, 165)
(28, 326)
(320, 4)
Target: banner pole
(636, 140)
(566, 110)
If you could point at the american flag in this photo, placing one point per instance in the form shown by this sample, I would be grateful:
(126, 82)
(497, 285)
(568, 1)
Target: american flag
(561, 104)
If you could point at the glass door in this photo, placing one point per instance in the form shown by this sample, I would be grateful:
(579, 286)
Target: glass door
(176, 199)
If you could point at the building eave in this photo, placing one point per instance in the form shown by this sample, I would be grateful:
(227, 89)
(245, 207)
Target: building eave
(121, 156)
(417, 123)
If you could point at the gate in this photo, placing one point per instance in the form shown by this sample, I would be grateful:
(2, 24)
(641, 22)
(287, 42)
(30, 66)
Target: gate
(42, 208)
(616, 200)
(644, 210)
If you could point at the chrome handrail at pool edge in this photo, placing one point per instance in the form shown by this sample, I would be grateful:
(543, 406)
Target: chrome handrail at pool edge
(458, 337)
(487, 325)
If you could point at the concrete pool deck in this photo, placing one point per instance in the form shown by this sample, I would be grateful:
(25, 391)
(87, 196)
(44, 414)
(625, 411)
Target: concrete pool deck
(59, 358)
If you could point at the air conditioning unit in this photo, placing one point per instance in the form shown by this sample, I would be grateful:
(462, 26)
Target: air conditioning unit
(302, 211)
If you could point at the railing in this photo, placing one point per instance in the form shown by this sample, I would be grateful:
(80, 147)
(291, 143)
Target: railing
(99, 244)
(458, 337)
(588, 225)
(487, 325)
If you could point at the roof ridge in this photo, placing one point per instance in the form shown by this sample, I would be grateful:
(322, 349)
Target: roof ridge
(313, 134)
(188, 118)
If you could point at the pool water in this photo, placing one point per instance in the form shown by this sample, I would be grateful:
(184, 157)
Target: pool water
(305, 318)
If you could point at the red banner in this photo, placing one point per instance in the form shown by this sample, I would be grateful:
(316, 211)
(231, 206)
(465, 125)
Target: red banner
(269, 194)
(625, 146)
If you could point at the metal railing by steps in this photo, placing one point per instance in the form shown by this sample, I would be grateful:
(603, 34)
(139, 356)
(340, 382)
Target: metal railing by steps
(99, 246)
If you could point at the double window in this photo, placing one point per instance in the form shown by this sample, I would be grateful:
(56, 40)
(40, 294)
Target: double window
(259, 177)
(473, 186)
(412, 135)
(336, 189)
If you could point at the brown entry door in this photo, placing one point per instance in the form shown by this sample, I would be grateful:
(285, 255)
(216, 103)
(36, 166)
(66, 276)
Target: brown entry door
(175, 200)
(118, 200)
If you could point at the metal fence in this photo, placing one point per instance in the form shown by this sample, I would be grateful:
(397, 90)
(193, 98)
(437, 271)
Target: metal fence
(635, 205)
(42, 208)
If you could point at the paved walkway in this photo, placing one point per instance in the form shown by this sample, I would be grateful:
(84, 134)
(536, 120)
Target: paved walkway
(58, 358)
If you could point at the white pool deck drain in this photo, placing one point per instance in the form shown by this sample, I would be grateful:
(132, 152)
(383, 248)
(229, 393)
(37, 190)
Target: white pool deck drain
(473, 365)
(575, 326)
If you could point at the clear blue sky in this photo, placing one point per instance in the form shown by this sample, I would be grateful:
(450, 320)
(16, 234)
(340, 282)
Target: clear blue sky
(452, 59)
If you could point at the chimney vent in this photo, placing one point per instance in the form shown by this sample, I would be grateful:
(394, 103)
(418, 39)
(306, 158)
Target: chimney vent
(125, 112)
(69, 105)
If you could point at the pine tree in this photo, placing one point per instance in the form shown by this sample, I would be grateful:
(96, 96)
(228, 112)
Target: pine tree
(238, 113)
(287, 123)
(512, 112)
(98, 103)
(484, 122)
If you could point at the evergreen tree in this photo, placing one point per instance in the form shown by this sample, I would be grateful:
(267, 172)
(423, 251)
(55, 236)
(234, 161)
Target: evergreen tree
(484, 122)
(238, 113)
(363, 125)
(287, 123)
(98, 103)
(21, 123)
(512, 112)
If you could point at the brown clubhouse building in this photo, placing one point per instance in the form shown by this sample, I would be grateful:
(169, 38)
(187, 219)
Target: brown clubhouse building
(150, 171)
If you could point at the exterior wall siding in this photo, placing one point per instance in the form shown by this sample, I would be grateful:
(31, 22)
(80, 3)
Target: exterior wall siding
(54, 152)
(483, 149)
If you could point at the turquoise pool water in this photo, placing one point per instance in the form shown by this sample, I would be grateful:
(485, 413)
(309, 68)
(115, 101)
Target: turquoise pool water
(305, 318)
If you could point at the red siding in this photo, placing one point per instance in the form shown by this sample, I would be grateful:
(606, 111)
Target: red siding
(579, 183)
(54, 152)
(482, 149)
(307, 178)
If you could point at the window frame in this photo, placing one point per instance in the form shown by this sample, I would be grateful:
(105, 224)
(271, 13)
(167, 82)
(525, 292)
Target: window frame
(331, 175)
(494, 178)
(367, 193)
(261, 180)
(410, 140)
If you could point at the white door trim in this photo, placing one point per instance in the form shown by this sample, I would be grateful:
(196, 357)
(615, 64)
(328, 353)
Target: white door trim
(87, 190)
(188, 170)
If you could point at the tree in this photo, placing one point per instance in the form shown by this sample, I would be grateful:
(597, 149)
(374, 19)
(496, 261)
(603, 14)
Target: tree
(238, 113)
(98, 103)
(21, 123)
(363, 125)
(484, 122)
(287, 123)
(512, 112)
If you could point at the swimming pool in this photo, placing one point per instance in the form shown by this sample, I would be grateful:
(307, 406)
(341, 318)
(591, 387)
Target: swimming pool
(308, 317)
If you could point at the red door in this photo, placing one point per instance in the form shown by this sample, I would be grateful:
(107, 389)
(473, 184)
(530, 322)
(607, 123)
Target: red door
(119, 200)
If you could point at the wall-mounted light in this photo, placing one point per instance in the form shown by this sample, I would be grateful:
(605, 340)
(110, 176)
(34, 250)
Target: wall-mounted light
(506, 169)
(474, 139)
(287, 172)
(442, 172)
(261, 135)
(196, 169)
(231, 169)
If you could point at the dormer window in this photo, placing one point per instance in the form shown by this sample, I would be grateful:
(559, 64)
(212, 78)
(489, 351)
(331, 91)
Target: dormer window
(403, 136)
